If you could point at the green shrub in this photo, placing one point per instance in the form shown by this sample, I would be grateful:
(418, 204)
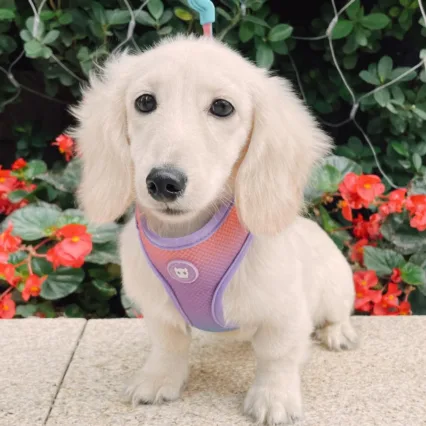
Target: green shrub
(362, 74)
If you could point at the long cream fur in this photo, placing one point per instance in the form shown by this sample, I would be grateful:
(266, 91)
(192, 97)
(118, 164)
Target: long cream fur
(293, 280)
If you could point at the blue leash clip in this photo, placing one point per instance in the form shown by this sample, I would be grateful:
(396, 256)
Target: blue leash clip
(206, 10)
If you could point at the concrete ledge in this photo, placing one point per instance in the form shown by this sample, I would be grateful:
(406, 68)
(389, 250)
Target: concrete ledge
(383, 383)
(34, 355)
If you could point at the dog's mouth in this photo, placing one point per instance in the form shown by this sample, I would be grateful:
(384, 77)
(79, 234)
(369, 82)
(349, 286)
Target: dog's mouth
(172, 212)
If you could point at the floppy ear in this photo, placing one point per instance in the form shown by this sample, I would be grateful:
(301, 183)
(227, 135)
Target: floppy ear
(285, 144)
(105, 191)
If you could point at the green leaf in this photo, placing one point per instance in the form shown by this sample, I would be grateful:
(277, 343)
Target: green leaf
(145, 18)
(99, 13)
(32, 222)
(104, 289)
(417, 161)
(117, 17)
(246, 31)
(353, 10)
(26, 35)
(183, 14)
(59, 283)
(74, 311)
(329, 179)
(34, 169)
(156, 8)
(27, 310)
(104, 233)
(419, 112)
(280, 32)
(342, 29)
(418, 185)
(67, 180)
(397, 230)
(382, 97)
(418, 302)
(17, 196)
(103, 254)
(7, 15)
(384, 68)
(382, 260)
(165, 30)
(413, 274)
(400, 148)
(65, 18)
(224, 13)
(264, 56)
(51, 36)
(167, 15)
(339, 236)
(33, 49)
(419, 259)
(369, 77)
(30, 24)
(256, 21)
(401, 70)
(375, 21)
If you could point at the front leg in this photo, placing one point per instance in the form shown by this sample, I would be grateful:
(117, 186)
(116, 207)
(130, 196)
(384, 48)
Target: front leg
(166, 369)
(275, 396)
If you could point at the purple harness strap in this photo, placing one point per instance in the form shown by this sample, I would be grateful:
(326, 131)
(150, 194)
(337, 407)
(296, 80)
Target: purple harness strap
(196, 269)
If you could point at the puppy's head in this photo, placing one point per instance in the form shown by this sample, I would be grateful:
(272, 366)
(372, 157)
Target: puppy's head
(187, 124)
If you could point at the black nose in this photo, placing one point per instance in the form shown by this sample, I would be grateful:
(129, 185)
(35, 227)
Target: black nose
(166, 183)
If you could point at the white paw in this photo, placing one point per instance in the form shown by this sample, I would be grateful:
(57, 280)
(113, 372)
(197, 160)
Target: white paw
(154, 387)
(273, 405)
(339, 336)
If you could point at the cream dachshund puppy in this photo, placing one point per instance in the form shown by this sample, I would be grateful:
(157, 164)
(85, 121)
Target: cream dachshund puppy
(191, 132)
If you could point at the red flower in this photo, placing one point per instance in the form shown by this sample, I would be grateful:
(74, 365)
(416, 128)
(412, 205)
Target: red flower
(348, 190)
(395, 204)
(7, 273)
(346, 210)
(369, 187)
(72, 250)
(32, 286)
(364, 281)
(9, 243)
(357, 251)
(396, 275)
(20, 163)
(7, 181)
(65, 145)
(373, 226)
(416, 205)
(388, 305)
(7, 307)
(405, 308)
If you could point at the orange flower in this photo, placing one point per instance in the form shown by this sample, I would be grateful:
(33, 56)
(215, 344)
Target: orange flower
(416, 205)
(9, 243)
(357, 251)
(7, 307)
(364, 281)
(405, 308)
(20, 163)
(368, 187)
(395, 204)
(65, 145)
(32, 286)
(74, 247)
(7, 273)
(388, 305)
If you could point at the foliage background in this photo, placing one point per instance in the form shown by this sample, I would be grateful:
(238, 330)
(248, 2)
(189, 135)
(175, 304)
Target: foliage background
(362, 73)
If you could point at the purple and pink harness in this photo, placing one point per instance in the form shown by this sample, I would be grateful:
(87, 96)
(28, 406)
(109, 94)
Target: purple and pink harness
(195, 270)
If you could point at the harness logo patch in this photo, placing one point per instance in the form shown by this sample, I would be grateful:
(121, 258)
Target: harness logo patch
(182, 271)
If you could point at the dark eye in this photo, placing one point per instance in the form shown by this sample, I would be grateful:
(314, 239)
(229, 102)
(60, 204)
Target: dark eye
(221, 108)
(146, 103)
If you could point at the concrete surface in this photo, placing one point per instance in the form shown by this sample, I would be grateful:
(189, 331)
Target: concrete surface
(383, 383)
